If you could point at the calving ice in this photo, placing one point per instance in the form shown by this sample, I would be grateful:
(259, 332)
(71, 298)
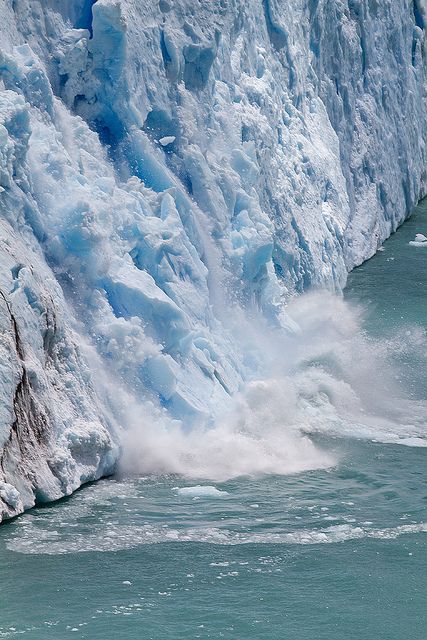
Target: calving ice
(170, 178)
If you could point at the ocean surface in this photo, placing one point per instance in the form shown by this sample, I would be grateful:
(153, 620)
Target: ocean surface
(326, 554)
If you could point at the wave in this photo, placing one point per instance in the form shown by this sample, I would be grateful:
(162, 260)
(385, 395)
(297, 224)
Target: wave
(115, 537)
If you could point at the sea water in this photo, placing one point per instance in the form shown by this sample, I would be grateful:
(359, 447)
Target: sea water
(338, 552)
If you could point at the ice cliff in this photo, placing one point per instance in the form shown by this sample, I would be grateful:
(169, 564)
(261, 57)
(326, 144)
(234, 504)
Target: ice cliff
(164, 167)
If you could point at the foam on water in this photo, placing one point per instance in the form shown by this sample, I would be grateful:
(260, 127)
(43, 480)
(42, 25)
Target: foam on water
(116, 537)
(368, 495)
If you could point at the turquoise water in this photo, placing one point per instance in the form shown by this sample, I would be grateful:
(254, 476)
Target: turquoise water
(330, 554)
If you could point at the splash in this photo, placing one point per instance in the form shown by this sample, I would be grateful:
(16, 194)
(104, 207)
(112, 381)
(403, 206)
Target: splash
(322, 373)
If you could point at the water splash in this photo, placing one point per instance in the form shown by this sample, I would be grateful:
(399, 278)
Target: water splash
(321, 373)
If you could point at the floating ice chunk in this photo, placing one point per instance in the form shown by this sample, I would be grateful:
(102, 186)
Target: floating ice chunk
(167, 140)
(199, 490)
(420, 241)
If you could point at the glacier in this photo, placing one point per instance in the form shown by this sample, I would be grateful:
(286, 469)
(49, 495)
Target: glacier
(168, 170)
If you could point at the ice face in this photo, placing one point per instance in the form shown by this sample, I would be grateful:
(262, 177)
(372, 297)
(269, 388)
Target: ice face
(166, 171)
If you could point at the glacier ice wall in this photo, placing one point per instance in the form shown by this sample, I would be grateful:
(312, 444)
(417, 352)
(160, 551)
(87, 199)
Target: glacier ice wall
(166, 169)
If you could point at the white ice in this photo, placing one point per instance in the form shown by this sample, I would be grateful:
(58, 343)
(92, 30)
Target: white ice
(420, 241)
(201, 491)
(166, 171)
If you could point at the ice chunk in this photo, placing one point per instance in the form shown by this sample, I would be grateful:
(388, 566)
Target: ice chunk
(201, 491)
(166, 140)
(420, 240)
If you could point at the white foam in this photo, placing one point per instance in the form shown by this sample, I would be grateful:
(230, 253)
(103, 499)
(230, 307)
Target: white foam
(322, 374)
(129, 536)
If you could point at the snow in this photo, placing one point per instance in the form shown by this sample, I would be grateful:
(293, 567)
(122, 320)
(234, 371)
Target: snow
(166, 171)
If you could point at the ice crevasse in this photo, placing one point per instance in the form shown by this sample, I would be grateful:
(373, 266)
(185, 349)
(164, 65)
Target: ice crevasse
(163, 162)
